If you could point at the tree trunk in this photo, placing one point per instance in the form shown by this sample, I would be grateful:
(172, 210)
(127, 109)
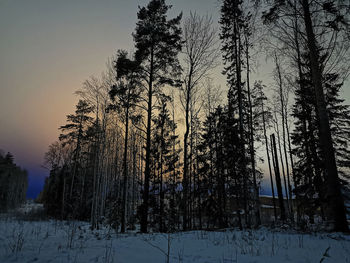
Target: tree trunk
(269, 161)
(282, 164)
(238, 62)
(144, 208)
(76, 155)
(161, 193)
(335, 209)
(125, 171)
(251, 143)
(185, 171)
(278, 178)
(289, 193)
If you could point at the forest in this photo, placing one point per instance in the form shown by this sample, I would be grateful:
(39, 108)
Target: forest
(156, 144)
(13, 183)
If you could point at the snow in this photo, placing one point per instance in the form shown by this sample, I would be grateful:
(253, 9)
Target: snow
(30, 206)
(59, 241)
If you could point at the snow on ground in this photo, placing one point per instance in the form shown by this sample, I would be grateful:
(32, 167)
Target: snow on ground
(57, 241)
(54, 241)
(29, 207)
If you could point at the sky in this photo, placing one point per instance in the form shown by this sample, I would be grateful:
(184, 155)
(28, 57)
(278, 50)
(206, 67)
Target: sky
(48, 48)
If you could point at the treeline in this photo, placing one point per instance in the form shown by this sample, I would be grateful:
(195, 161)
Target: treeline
(121, 157)
(13, 183)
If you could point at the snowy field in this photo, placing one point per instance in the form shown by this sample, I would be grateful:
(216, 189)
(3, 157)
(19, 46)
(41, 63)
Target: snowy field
(55, 241)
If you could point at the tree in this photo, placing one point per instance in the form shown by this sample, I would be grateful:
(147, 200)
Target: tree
(283, 114)
(309, 166)
(335, 208)
(266, 117)
(211, 158)
(13, 183)
(277, 176)
(323, 23)
(234, 29)
(95, 91)
(200, 57)
(339, 118)
(75, 131)
(127, 90)
(158, 42)
(164, 160)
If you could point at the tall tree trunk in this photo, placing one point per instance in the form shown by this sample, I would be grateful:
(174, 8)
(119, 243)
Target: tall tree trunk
(125, 170)
(103, 166)
(173, 189)
(185, 171)
(145, 205)
(289, 193)
(199, 206)
(76, 155)
(282, 164)
(190, 183)
(278, 178)
(251, 143)
(161, 193)
(335, 209)
(238, 62)
(63, 194)
(134, 174)
(301, 81)
(269, 161)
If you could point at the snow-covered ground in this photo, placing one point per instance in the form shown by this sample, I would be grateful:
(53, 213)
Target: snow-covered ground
(55, 241)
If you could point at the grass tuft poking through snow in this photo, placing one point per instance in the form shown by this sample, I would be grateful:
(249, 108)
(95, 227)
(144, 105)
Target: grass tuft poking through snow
(57, 241)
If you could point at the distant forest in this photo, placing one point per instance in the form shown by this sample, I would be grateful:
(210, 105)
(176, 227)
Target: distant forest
(13, 183)
(156, 142)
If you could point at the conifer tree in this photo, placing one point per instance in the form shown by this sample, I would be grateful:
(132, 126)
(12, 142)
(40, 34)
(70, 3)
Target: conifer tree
(164, 161)
(157, 42)
(233, 26)
(74, 133)
(126, 92)
(13, 183)
(320, 22)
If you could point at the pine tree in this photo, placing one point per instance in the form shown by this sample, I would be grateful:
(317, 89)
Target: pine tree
(164, 161)
(219, 179)
(158, 42)
(127, 90)
(75, 132)
(320, 20)
(233, 25)
(339, 118)
(310, 164)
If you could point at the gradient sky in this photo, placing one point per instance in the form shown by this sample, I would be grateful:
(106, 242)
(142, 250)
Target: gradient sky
(47, 49)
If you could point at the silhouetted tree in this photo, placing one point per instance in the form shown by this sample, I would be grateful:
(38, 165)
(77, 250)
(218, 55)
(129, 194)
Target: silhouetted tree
(200, 57)
(126, 94)
(158, 42)
(13, 183)
(75, 131)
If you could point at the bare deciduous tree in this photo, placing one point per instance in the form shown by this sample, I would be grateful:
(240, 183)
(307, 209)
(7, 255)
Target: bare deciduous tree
(200, 54)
